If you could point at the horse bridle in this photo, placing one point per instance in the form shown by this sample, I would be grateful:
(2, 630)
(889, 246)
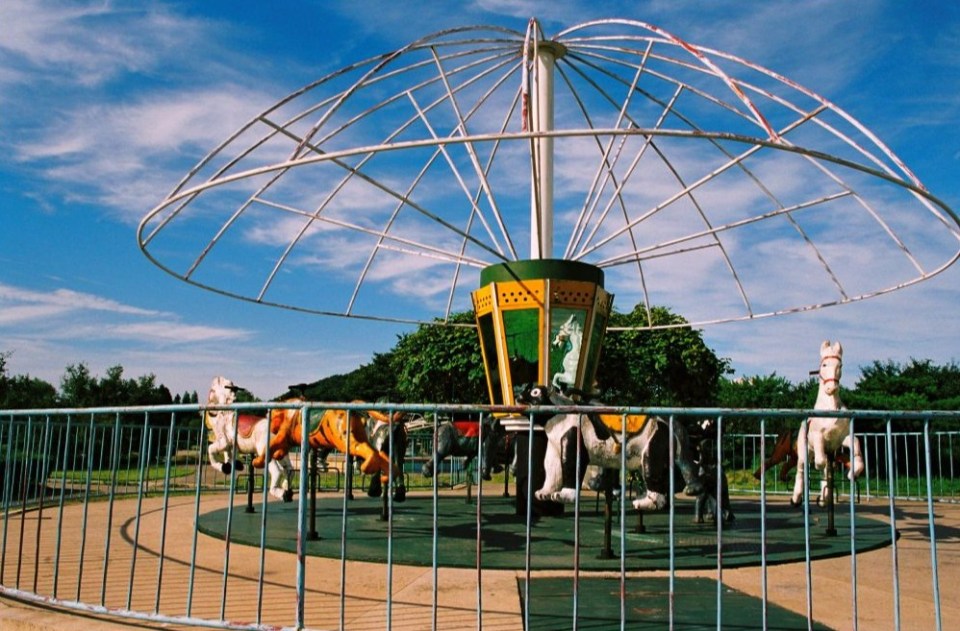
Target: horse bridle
(819, 371)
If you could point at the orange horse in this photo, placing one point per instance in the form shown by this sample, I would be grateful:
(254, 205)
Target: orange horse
(343, 430)
(785, 451)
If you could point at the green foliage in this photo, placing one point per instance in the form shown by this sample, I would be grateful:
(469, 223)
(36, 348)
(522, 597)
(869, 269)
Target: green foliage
(764, 392)
(78, 388)
(665, 366)
(441, 364)
(370, 382)
(22, 392)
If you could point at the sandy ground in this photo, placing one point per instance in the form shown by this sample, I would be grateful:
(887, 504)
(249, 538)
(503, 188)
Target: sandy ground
(464, 598)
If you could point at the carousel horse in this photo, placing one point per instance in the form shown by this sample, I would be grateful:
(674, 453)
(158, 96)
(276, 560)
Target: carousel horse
(704, 441)
(460, 438)
(826, 436)
(245, 431)
(785, 454)
(379, 429)
(569, 338)
(647, 448)
(328, 429)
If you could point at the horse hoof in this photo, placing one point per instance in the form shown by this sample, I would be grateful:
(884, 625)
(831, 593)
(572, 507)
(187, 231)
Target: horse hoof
(237, 466)
(288, 496)
(400, 495)
(226, 468)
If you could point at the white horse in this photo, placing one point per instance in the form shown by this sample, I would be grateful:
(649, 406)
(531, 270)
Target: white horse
(647, 450)
(569, 338)
(248, 432)
(825, 436)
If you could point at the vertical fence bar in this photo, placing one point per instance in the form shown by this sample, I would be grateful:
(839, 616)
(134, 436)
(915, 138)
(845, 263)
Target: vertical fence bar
(171, 442)
(804, 458)
(763, 524)
(671, 592)
(853, 527)
(934, 570)
(719, 520)
(263, 514)
(41, 490)
(23, 494)
(347, 491)
(302, 513)
(478, 467)
(527, 532)
(91, 443)
(114, 469)
(65, 452)
(202, 440)
(623, 529)
(435, 495)
(895, 570)
(227, 536)
(141, 482)
(7, 492)
(576, 528)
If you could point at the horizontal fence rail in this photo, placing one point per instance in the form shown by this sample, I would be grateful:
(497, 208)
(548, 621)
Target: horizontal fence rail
(116, 512)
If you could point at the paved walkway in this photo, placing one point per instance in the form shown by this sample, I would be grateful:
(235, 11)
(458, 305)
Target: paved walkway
(130, 576)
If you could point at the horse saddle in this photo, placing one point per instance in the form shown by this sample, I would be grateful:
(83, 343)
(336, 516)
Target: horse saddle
(246, 423)
(613, 424)
(467, 428)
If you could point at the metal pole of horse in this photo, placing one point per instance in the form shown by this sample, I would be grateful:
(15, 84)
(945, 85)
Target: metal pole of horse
(829, 491)
(312, 533)
(251, 481)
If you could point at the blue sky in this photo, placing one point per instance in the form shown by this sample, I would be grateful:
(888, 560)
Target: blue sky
(105, 106)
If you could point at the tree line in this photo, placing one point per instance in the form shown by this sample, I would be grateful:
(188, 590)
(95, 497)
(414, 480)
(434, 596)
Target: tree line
(81, 389)
(443, 364)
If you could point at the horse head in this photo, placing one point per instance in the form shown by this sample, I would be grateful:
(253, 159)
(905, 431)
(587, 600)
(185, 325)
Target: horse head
(831, 366)
(222, 392)
(570, 331)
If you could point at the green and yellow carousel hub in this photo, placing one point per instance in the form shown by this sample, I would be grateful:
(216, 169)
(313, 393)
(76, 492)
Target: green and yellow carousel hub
(541, 322)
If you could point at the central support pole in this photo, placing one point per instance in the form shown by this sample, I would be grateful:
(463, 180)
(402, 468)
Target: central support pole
(541, 194)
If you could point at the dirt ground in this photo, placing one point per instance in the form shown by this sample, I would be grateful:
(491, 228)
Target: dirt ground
(461, 595)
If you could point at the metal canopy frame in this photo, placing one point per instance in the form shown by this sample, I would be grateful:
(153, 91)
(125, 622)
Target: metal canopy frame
(687, 173)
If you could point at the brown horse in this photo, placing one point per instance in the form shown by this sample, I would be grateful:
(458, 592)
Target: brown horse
(343, 430)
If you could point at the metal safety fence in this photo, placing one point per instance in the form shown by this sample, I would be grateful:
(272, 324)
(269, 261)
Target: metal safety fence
(116, 512)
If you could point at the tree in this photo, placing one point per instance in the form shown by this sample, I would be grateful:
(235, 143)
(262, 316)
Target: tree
(440, 363)
(764, 392)
(667, 366)
(370, 382)
(22, 392)
(78, 388)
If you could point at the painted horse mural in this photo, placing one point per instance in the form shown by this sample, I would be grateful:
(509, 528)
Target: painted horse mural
(328, 429)
(569, 338)
(247, 432)
(825, 436)
(647, 449)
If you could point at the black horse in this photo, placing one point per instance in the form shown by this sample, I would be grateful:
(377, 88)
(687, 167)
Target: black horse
(461, 437)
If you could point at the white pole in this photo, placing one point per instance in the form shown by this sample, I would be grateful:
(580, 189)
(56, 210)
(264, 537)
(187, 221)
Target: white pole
(541, 199)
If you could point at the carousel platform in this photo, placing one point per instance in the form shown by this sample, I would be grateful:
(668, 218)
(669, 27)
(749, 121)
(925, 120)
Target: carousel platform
(552, 539)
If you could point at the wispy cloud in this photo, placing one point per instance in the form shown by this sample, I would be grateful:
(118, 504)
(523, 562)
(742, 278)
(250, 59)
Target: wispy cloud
(66, 314)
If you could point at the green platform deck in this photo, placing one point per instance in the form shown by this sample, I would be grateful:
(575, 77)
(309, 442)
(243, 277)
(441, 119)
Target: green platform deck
(552, 539)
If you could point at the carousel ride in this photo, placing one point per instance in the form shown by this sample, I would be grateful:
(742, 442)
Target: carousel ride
(401, 188)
